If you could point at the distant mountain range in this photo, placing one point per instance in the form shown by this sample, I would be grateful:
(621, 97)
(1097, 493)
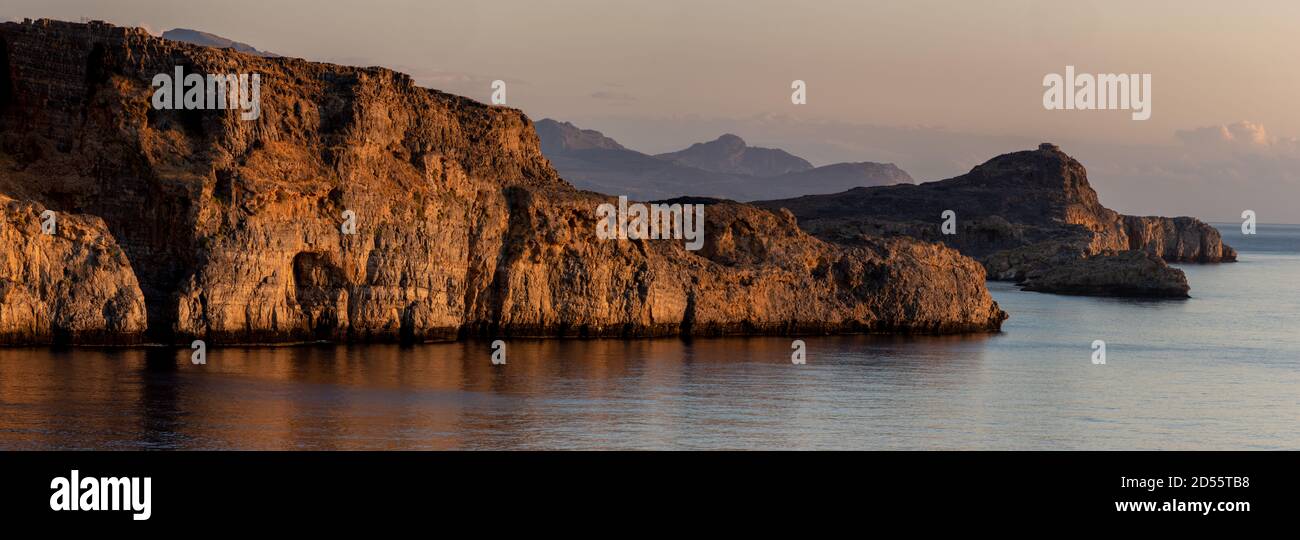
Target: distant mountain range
(726, 168)
(212, 40)
(729, 154)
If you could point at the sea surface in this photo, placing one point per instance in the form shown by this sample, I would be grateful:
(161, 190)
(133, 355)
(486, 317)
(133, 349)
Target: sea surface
(1220, 370)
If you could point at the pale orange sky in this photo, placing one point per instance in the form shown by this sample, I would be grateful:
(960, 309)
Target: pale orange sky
(971, 66)
(626, 67)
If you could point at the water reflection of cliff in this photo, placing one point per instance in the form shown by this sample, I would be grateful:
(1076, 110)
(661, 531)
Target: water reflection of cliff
(444, 395)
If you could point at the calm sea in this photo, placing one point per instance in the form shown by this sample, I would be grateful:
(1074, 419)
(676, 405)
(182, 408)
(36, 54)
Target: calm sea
(1218, 371)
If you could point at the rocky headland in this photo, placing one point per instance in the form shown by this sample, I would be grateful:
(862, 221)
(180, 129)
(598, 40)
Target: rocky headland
(1029, 217)
(182, 224)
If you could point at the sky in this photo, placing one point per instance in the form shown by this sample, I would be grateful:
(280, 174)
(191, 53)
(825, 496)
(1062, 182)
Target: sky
(934, 86)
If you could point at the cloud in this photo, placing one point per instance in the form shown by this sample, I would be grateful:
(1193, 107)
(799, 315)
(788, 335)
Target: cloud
(1237, 137)
(472, 85)
(437, 77)
(441, 77)
(1214, 173)
(609, 95)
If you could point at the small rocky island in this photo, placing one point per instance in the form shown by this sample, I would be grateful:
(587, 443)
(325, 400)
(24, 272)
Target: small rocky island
(1029, 217)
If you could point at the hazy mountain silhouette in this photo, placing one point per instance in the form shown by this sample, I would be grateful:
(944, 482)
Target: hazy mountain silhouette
(212, 40)
(563, 136)
(726, 168)
(729, 154)
(842, 177)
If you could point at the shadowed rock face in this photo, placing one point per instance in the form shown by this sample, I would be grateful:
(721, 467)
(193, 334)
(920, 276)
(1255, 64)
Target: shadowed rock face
(184, 224)
(1126, 273)
(1021, 214)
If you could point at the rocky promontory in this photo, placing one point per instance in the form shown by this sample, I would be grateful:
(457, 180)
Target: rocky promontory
(1124, 273)
(1030, 217)
(182, 224)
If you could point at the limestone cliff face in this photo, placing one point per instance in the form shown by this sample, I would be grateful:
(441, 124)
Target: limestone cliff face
(195, 223)
(1021, 214)
(73, 284)
(1180, 239)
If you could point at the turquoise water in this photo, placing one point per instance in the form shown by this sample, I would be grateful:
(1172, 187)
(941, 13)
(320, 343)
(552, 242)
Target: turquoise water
(1220, 370)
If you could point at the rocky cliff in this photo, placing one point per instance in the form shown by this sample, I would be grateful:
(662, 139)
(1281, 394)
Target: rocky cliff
(1180, 239)
(74, 284)
(1023, 214)
(176, 224)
